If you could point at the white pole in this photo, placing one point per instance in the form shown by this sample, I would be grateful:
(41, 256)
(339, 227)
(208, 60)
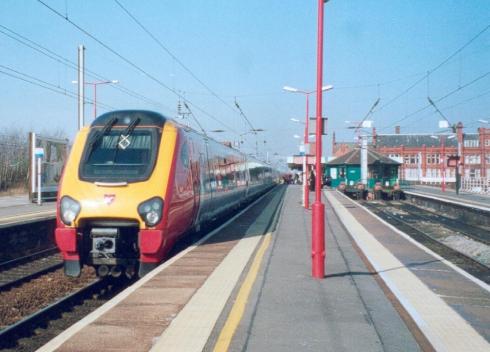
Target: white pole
(33, 164)
(304, 179)
(364, 160)
(38, 180)
(81, 86)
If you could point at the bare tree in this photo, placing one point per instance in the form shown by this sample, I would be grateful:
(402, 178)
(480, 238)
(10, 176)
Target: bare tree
(14, 159)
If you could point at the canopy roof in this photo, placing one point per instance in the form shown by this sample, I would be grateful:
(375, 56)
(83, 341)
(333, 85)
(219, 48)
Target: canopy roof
(354, 158)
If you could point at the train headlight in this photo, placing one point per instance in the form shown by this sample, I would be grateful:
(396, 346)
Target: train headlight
(69, 210)
(151, 211)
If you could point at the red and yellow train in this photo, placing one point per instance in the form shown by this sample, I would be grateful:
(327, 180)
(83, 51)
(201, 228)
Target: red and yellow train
(136, 182)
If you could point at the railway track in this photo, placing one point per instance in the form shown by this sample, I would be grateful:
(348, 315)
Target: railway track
(474, 232)
(17, 271)
(410, 223)
(36, 329)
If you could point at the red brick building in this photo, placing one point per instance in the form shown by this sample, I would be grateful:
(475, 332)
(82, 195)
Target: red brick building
(424, 156)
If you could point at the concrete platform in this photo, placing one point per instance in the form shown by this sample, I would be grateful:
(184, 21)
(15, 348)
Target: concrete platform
(18, 210)
(250, 289)
(288, 310)
(382, 291)
(470, 199)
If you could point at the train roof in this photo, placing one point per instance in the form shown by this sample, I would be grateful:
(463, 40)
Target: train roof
(125, 117)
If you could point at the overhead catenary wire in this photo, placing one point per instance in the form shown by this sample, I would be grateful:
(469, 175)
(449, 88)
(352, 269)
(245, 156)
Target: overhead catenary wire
(44, 84)
(425, 107)
(195, 119)
(174, 57)
(435, 68)
(135, 66)
(68, 63)
(245, 117)
(448, 107)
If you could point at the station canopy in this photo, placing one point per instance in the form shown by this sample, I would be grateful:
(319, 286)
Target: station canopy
(353, 157)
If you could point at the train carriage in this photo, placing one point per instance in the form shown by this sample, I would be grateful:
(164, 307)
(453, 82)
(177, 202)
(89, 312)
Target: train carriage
(136, 182)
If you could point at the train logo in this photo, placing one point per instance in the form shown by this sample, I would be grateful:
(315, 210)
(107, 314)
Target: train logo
(109, 198)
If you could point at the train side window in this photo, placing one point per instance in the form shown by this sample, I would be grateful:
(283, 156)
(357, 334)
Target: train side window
(184, 155)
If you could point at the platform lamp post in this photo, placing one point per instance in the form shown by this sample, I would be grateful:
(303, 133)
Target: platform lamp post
(306, 198)
(95, 84)
(318, 208)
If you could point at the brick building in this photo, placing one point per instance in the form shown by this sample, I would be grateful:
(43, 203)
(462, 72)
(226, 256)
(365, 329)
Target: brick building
(424, 156)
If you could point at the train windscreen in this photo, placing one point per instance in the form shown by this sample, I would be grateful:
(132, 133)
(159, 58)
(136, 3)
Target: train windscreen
(113, 156)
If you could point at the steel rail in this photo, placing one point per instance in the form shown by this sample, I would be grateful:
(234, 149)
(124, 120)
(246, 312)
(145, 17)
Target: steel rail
(25, 326)
(461, 260)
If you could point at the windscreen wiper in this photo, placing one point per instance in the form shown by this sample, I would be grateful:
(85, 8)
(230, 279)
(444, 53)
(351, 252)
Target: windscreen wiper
(124, 142)
(97, 136)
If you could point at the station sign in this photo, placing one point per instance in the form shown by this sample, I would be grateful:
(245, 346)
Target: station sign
(452, 161)
(312, 125)
(39, 152)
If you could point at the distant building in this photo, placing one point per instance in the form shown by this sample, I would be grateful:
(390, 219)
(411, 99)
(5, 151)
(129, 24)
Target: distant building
(347, 169)
(424, 157)
(339, 149)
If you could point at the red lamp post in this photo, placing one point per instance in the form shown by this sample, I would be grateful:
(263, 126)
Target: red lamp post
(95, 84)
(318, 208)
(306, 193)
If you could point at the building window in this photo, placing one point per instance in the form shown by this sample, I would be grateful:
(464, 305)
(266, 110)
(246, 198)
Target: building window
(432, 158)
(487, 143)
(472, 159)
(396, 157)
(474, 173)
(472, 143)
(411, 159)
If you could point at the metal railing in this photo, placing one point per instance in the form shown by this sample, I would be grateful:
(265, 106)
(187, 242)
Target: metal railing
(478, 185)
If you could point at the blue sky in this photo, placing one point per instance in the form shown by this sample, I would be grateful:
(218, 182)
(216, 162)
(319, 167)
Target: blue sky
(250, 50)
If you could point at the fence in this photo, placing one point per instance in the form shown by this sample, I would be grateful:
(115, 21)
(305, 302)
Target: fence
(479, 185)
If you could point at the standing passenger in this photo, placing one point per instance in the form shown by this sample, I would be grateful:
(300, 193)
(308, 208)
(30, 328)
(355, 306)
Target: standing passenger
(311, 180)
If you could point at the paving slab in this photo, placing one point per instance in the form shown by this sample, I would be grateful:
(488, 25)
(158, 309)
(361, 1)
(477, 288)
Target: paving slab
(288, 310)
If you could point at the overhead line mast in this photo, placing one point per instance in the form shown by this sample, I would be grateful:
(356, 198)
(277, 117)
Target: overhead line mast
(68, 63)
(135, 66)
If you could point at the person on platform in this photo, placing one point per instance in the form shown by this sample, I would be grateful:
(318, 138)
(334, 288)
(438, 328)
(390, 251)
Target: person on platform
(311, 180)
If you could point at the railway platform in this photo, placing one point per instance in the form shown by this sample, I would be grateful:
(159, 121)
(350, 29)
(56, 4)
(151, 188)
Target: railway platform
(469, 199)
(18, 210)
(248, 286)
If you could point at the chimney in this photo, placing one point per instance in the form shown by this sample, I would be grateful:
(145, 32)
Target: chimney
(397, 129)
(374, 137)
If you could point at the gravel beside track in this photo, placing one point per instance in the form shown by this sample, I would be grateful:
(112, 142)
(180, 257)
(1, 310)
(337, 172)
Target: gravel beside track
(16, 272)
(430, 235)
(21, 301)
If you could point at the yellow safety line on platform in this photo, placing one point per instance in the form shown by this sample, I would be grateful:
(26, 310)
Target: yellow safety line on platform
(48, 212)
(238, 308)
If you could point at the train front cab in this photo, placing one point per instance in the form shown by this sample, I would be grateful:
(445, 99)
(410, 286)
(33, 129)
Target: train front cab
(117, 222)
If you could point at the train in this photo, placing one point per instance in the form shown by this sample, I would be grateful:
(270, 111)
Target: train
(136, 182)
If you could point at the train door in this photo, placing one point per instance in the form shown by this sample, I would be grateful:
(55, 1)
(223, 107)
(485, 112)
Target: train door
(206, 182)
(247, 176)
(194, 162)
